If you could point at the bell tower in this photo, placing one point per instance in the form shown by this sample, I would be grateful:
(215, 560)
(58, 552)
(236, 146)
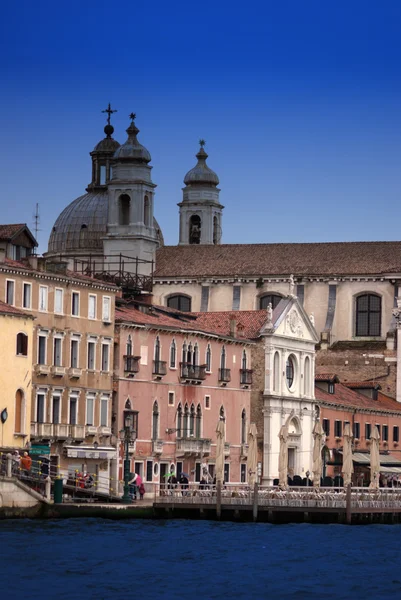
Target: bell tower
(200, 209)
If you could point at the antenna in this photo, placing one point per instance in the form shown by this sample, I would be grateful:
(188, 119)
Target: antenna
(36, 221)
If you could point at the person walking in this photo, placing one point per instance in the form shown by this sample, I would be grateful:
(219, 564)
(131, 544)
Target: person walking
(132, 485)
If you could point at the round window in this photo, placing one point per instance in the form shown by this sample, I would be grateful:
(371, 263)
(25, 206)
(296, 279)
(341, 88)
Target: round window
(156, 469)
(289, 371)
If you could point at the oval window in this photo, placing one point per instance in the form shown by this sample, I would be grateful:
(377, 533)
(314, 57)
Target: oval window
(156, 469)
(289, 371)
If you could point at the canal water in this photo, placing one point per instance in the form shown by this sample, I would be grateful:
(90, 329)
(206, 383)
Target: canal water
(104, 559)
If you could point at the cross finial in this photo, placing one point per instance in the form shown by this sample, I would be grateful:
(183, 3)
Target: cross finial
(202, 143)
(132, 116)
(109, 112)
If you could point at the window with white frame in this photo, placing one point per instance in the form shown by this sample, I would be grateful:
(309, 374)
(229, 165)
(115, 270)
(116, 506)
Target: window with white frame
(74, 353)
(75, 304)
(42, 343)
(40, 406)
(90, 409)
(106, 309)
(207, 401)
(171, 396)
(43, 295)
(56, 407)
(105, 356)
(10, 291)
(91, 306)
(57, 350)
(91, 355)
(26, 295)
(58, 301)
(104, 411)
(73, 409)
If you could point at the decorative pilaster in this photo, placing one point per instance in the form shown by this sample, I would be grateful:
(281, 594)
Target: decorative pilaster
(397, 318)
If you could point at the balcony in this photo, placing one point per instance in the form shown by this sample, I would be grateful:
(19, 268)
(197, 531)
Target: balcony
(77, 432)
(157, 446)
(244, 450)
(245, 377)
(193, 373)
(192, 447)
(226, 449)
(103, 430)
(58, 371)
(42, 369)
(90, 430)
(42, 430)
(159, 368)
(61, 431)
(131, 363)
(74, 373)
(224, 376)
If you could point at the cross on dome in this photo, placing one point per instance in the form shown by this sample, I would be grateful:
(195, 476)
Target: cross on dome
(109, 112)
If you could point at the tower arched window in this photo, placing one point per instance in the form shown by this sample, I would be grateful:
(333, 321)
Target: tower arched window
(179, 302)
(124, 206)
(173, 355)
(185, 421)
(129, 346)
(22, 344)
(198, 423)
(267, 299)
(216, 230)
(155, 421)
(192, 421)
(208, 358)
(243, 427)
(195, 225)
(368, 315)
(146, 211)
(179, 420)
(19, 412)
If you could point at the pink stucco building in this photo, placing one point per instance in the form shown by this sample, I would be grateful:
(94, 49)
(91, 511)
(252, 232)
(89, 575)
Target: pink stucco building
(182, 377)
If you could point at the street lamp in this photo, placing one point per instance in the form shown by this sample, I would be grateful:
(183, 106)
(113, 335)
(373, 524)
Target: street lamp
(128, 434)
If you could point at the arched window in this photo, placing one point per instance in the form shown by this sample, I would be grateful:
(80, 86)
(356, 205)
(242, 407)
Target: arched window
(198, 424)
(223, 358)
(179, 420)
(157, 349)
(208, 359)
(192, 421)
(243, 427)
(22, 344)
(173, 355)
(195, 357)
(155, 421)
(124, 205)
(244, 361)
(216, 230)
(289, 371)
(146, 211)
(195, 229)
(186, 423)
(19, 411)
(276, 373)
(368, 315)
(267, 299)
(128, 405)
(307, 376)
(129, 346)
(189, 355)
(179, 302)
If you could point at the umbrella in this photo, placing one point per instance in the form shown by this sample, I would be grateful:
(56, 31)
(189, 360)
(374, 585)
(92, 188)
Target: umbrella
(184, 474)
(318, 434)
(220, 435)
(138, 480)
(251, 461)
(374, 459)
(172, 474)
(283, 454)
(348, 465)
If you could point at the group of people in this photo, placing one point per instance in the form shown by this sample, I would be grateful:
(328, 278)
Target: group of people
(136, 486)
(173, 481)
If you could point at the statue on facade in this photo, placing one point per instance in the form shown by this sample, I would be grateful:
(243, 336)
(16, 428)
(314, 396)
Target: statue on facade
(292, 285)
(269, 311)
(312, 319)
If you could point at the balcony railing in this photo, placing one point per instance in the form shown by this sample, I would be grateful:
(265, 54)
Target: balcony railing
(192, 446)
(193, 372)
(77, 432)
(74, 373)
(61, 431)
(159, 367)
(58, 371)
(224, 375)
(42, 369)
(157, 446)
(131, 364)
(42, 430)
(245, 376)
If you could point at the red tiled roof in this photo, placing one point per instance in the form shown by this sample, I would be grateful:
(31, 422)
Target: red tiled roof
(346, 397)
(361, 384)
(326, 377)
(7, 309)
(9, 231)
(248, 322)
(255, 260)
(156, 319)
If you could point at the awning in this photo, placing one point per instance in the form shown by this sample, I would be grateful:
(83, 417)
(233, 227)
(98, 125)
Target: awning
(390, 470)
(386, 460)
(102, 453)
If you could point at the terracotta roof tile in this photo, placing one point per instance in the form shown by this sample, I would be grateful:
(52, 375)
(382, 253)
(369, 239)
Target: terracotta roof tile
(248, 322)
(9, 231)
(7, 309)
(326, 377)
(346, 397)
(255, 260)
(361, 384)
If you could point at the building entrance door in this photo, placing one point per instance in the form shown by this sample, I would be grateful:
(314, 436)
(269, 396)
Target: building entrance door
(291, 462)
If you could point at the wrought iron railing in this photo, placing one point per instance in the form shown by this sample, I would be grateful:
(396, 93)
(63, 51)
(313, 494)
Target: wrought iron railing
(159, 367)
(131, 363)
(225, 375)
(245, 376)
(193, 372)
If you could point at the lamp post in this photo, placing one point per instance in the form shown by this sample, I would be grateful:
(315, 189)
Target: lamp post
(128, 434)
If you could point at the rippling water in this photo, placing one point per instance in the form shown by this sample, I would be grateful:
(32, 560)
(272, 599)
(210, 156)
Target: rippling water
(102, 559)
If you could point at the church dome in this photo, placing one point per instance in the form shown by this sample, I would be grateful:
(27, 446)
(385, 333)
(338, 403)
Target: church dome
(82, 225)
(201, 174)
(132, 150)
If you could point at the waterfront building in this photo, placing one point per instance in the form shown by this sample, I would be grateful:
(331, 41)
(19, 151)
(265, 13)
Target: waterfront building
(182, 376)
(70, 377)
(16, 342)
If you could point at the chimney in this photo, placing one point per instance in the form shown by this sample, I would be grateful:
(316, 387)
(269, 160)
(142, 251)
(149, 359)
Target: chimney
(233, 328)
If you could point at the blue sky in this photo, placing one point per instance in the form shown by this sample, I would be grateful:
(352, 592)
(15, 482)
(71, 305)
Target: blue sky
(299, 103)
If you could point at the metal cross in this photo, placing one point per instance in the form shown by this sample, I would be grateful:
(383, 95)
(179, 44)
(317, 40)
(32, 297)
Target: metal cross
(132, 116)
(202, 143)
(109, 112)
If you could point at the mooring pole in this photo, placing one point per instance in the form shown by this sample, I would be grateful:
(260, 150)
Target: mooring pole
(348, 515)
(218, 499)
(255, 503)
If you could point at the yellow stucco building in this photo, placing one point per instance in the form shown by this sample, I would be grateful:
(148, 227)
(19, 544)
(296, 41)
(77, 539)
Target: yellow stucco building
(16, 335)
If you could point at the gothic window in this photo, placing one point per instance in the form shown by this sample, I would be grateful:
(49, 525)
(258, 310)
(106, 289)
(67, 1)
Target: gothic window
(128, 405)
(195, 229)
(185, 421)
(22, 344)
(368, 315)
(179, 302)
(198, 424)
(223, 358)
(157, 349)
(173, 354)
(179, 420)
(19, 412)
(267, 299)
(244, 361)
(184, 353)
(222, 413)
(189, 354)
(192, 421)
(289, 371)
(146, 211)
(124, 202)
(129, 346)
(208, 359)
(243, 427)
(155, 421)
(195, 356)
